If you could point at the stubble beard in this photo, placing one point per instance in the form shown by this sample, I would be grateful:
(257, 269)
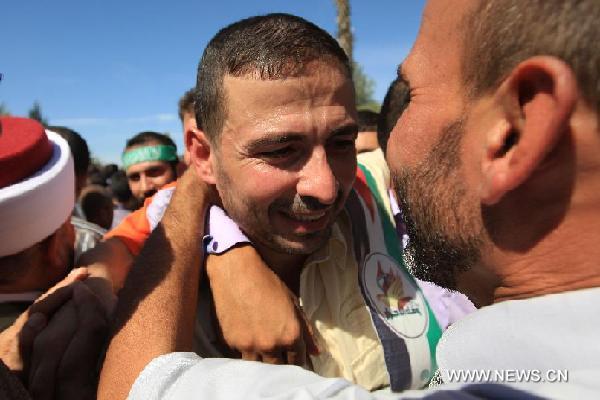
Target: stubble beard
(259, 228)
(445, 234)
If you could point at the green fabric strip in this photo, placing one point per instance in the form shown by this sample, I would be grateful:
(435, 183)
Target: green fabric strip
(392, 243)
(434, 333)
(149, 153)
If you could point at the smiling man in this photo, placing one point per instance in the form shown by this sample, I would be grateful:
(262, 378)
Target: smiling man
(276, 103)
(150, 162)
(284, 162)
(496, 162)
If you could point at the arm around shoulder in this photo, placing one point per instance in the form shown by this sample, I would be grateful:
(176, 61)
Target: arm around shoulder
(156, 308)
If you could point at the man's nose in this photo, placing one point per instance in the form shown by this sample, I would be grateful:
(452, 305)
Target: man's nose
(317, 179)
(146, 183)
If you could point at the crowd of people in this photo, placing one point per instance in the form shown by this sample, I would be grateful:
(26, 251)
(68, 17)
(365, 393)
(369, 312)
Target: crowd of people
(445, 247)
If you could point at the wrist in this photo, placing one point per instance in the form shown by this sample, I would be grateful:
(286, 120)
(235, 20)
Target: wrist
(237, 260)
(189, 204)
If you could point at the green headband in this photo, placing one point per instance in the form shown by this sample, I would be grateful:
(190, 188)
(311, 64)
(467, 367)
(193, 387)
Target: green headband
(149, 153)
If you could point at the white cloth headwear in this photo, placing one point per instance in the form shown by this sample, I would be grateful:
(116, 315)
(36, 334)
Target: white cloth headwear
(37, 206)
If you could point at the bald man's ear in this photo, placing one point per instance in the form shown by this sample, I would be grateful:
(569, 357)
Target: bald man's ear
(201, 155)
(536, 101)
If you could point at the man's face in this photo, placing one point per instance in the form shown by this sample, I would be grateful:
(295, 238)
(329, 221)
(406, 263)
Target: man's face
(286, 160)
(366, 141)
(432, 155)
(147, 177)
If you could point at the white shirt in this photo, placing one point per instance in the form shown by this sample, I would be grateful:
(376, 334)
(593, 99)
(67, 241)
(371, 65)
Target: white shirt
(549, 333)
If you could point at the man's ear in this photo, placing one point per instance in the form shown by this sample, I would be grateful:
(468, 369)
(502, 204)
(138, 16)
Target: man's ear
(59, 247)
(201, 155)
(537, 100)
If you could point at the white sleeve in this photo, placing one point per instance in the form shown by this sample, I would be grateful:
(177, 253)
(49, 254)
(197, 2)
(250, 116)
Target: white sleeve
(187, 376)
(183, 376)
(161, 374)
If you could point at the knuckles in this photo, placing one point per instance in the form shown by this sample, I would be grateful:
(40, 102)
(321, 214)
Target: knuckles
(265, 343)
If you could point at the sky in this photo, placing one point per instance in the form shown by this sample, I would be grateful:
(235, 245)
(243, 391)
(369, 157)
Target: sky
(110, 69)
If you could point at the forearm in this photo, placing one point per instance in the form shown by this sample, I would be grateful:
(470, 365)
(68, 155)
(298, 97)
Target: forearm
(156, 308)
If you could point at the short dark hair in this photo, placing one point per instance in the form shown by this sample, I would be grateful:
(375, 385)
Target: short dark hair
(97, 206)
(395, 101)
(499, 34)
(269, 47)
(147, 137)
(109, 170)
(367, 121)
(96, 178)
(186, 103)
(78, 146)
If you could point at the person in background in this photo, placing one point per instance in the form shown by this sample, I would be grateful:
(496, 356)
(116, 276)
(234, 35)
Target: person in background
(95, 176)
(123, 200)
(367, 131)
(87, 233)
(108, 171)
(97, 206)
(81, 157)
(187, 116)
(53, 321)
(150, 162)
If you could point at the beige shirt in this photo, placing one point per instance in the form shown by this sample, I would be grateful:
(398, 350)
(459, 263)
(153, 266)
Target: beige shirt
(332, 300)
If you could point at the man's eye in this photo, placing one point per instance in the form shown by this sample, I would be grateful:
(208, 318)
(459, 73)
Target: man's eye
(154, 172)
(133, 178)
(279, 153)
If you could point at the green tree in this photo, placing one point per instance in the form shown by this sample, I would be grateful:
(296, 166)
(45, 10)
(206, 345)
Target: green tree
(3, 110)
(364, 86)
(35, 112)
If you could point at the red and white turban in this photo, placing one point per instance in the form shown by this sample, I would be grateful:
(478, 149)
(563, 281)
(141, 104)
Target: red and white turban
(37, 184)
